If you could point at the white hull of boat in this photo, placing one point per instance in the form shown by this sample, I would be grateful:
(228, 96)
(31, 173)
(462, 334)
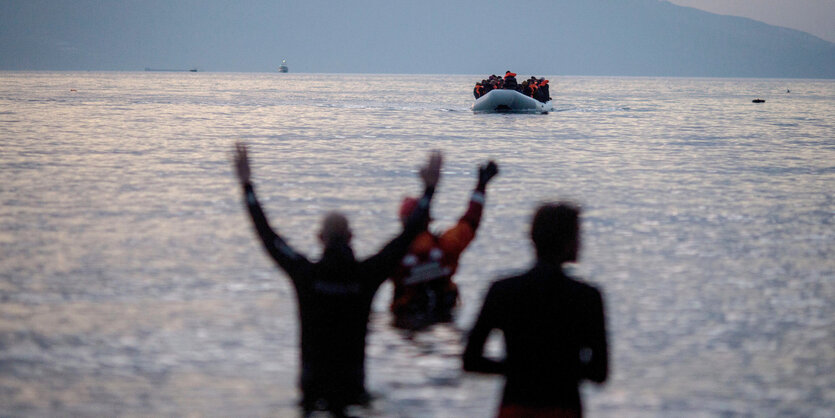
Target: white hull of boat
(510, 101)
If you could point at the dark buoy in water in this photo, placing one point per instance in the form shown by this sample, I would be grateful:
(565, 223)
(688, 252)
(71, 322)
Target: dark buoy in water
(758, 101)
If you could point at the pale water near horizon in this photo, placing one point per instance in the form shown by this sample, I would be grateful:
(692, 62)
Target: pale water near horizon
(131, 282)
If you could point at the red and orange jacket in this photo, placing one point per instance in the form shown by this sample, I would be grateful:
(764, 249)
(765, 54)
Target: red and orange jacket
(435, 257)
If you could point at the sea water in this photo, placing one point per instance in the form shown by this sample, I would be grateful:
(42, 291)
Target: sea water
(132, 283)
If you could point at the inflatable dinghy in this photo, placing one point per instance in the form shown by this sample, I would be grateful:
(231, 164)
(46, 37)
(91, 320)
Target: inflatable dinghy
(509, 101)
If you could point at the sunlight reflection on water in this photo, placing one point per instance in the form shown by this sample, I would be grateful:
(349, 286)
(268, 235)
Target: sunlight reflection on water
(132, 283)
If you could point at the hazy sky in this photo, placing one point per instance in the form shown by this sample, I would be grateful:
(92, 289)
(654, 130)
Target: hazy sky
(570, 37)
(814, 16)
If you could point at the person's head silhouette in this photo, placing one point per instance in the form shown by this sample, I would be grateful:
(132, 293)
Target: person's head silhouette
(335, 230)
(555, 231)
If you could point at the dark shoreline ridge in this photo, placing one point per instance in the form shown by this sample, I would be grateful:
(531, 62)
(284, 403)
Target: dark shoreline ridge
(193, 70)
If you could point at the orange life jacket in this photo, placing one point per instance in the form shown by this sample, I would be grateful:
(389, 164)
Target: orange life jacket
(435, 257)
(432, 258)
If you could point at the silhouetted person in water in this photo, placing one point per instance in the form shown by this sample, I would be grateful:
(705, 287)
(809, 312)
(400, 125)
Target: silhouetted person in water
(335, 294)
(424, 293)
(553, 326)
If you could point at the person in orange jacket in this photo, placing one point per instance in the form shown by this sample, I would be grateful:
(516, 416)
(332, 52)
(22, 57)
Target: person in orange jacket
(488, 85)
(424, 293)
(510, 81)
(478, 91)
(544, 92)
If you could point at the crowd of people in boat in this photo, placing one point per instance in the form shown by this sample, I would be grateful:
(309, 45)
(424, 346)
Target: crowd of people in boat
(532, 87)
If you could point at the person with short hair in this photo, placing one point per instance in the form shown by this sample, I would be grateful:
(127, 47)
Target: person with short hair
(553, 325)
(335, 293)
(543, 91)
(488, 85)
(525, 88)
(510, 81)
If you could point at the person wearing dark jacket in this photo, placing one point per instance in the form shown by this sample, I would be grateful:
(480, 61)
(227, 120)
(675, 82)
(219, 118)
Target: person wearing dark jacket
(553, 326)
(543, 93)
(510, 81)
(525, 88)
(335, 294)
(534, 88)
(488, 85)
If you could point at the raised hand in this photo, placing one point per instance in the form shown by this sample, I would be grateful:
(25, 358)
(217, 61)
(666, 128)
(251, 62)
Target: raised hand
(486, 172)
(431, 172)
(242, 163)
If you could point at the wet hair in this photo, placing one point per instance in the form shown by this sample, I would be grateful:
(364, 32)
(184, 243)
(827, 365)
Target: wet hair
(335, 229)
(555, 230)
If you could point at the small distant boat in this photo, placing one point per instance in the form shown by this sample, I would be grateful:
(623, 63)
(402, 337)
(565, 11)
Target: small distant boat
(758, 101)
(283, 67)
(510, 101)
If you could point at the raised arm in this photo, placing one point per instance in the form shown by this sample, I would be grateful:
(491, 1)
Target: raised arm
(486, 172)
(384, 262)
(285, 256)
(456, 239)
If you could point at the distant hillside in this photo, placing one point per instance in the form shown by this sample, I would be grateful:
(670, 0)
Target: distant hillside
(648, 37)
(560, 37)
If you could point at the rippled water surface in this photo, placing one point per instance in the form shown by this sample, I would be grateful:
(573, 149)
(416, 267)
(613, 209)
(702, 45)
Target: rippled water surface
(131, 282)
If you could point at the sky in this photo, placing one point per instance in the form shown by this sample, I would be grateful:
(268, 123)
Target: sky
(816, 17)
(555, 37)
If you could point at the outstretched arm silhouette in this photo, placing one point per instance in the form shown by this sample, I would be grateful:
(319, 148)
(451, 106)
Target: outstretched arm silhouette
(388, 257)
(283, 254)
